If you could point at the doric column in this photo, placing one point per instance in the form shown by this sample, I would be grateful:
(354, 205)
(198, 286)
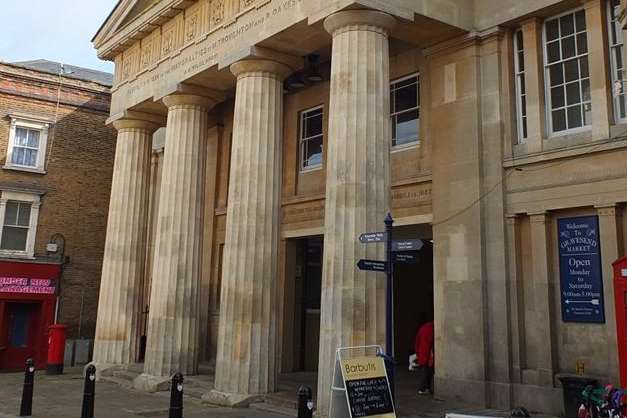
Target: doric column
(173, 323)
(246, 360)
(358, 186)
(119, 310)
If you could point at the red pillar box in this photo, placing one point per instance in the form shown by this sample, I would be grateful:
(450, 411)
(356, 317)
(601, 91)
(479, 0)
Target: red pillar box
(620, 300)
(56, 348)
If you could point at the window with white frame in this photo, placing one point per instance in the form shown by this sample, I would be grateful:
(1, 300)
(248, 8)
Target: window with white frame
(311, 138)
(615, 37)
(566, 72)
(19, 213)
(521, 89)
(27, 145)
(405, 110)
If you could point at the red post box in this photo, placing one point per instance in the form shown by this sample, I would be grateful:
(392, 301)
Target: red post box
(620, 301)
(56, 348)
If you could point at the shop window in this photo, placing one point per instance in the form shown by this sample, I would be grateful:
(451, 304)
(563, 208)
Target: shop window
(521, 89)
(566, 73)
(27, 145)
(615, 37)
(19, 213)
(405, 111)
(311, 138)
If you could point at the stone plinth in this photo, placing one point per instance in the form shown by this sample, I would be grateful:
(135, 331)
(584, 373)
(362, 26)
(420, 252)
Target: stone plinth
(119, 310)
(245, 364)
(357, 189)
(173, 324)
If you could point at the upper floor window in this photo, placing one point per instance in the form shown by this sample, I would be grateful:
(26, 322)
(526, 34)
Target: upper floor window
(27, 145)
(616, 59)
(405, 110)
(311, 138)
(521, 90)
(19, 213)
(566, 72)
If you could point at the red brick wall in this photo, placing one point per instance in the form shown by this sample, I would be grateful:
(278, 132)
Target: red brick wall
(78, 181)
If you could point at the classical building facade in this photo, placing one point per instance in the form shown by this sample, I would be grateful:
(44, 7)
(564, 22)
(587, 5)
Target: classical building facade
(492, 130)
(56, 157)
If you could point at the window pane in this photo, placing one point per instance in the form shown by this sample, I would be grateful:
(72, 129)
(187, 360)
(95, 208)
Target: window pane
(30, 157)
(406, 98)
(314, 152)
(519, 40)
(407, 127)
(557, 97)
(552, 30)
(559, 120)
(33, 138)
(574, 117)
(572, 93)
(557, 74)
(567, 25)
(580, 19)
(582, 43)
(23, 217)
(571, 70)
(21, 136)
(313, 125)
(553, 51)
(524, 126)
(585, 89)
(583, 65)
(521, 61)
(14, 238)
(568, 47)
(10, 216)
(406, 82)
(523, 104)
(587, 114)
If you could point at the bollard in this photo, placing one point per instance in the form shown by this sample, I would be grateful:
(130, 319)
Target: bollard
(305, 402)
(26, 407)
(89, 392)
(176, 396)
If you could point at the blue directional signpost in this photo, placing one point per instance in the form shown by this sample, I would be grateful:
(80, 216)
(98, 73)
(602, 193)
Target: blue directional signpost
(580, 270)
(392, 254)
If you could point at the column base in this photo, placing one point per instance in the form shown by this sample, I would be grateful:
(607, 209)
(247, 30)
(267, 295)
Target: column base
(104, 369)
(232, 400)
(149, 383)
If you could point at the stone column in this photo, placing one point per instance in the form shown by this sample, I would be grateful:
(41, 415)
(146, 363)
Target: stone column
(542, 335)
(358, 187)
(534, 83)
(246, 359)
(611, 250)
(598, 62)
(173, 323)
(119, 307)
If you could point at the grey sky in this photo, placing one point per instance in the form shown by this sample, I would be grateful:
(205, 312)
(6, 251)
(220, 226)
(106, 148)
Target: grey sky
(57, 30)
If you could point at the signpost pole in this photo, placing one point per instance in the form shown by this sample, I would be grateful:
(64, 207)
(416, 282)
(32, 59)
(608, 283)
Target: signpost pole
(389, 329)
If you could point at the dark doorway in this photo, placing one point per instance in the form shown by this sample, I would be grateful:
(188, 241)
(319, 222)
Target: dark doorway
(413, 293)
(308, 287)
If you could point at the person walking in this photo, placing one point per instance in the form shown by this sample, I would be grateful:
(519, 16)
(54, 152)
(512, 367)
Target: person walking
(425, 357)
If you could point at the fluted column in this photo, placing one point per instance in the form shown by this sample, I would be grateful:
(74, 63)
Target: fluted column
(248, 310)
(173, 323)
(358, 187)
(119, 310)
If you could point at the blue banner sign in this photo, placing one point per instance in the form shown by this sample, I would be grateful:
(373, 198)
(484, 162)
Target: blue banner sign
(580, 270)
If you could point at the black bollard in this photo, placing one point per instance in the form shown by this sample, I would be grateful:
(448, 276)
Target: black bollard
(176, 396)
(89, 392)
(26, 407)
(305, 402)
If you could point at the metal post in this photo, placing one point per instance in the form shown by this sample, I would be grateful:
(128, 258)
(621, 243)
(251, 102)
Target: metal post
(305, 402)
(26, 407)
(89, 392)
(176, 396)
(389, 317)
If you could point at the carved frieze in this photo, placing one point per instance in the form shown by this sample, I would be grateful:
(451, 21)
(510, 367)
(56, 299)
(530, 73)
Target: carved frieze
(218, 11)
(193, 22)
(130, 65)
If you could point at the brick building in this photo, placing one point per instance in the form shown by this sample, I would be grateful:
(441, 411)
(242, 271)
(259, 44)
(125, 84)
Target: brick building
(56, 160)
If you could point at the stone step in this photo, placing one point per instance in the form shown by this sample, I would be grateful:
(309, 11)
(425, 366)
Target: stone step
(136, 368)
(282, 400)
(275, 409)
(125, 374)
(194, 392)
(127, 384)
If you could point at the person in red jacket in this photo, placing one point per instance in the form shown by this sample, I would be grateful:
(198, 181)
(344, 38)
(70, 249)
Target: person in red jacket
(424, 357)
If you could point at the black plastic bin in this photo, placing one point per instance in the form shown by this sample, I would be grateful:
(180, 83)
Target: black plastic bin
(572, 388)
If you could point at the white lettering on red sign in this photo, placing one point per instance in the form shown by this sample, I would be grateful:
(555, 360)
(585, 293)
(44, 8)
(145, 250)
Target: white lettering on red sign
(28, 286)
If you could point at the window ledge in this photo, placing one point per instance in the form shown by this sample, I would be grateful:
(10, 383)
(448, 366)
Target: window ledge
(16, 254)
(310, 170)
(405, 147)
(26, 169)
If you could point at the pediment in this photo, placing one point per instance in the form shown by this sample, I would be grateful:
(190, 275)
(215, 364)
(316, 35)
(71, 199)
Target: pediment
(124, 13)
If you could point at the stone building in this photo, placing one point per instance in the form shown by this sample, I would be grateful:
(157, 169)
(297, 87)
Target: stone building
(56, 159)
(491, 129)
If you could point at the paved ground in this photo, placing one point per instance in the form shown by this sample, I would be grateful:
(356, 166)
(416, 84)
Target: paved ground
(60, 397)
